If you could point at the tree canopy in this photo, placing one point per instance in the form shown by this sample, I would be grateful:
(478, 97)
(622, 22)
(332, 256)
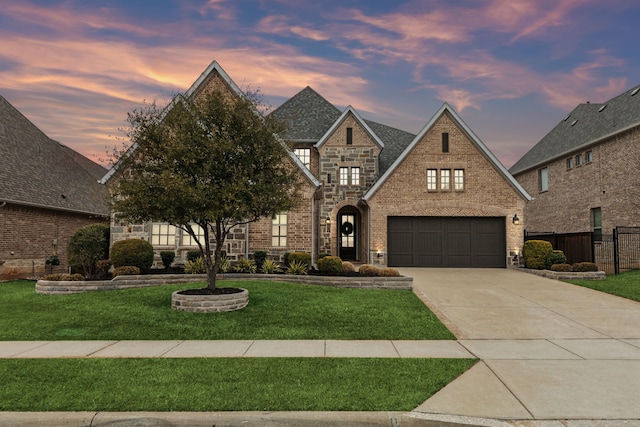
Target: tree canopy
(212, 160)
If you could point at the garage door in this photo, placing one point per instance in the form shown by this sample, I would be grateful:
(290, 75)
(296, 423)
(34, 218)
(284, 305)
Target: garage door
(446, 242)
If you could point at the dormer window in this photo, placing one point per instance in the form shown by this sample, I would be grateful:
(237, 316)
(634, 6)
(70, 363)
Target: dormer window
(349, 136)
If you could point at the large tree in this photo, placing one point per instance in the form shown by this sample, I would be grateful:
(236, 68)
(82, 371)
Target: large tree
(212, 160)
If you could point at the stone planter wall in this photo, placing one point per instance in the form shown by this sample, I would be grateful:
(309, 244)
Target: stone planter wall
(129, 282)
(568, 275)
(209, 303)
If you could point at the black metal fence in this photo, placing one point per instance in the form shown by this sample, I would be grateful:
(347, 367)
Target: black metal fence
(613, 253)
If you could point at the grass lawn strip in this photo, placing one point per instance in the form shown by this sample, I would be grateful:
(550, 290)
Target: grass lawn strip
(276, 311)
(273, 384)
(626, 285)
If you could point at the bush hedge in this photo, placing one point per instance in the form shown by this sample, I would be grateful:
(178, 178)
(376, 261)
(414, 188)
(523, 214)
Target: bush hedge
(584, 267)
(126, 270)
(331, 265)
(298, 257)
(132, 252)
(167, 258)
(64, 277)
(537, 254)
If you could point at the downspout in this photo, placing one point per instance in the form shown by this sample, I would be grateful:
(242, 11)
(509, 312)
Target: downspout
(313, 226)
(246, 241)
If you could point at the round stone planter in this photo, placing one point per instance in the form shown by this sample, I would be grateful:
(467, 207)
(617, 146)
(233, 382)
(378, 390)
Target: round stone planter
(209, 303)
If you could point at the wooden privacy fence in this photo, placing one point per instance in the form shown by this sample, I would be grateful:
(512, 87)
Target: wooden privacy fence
(577, 247)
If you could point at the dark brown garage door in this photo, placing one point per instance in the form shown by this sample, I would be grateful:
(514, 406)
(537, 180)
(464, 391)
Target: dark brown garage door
(446, 242)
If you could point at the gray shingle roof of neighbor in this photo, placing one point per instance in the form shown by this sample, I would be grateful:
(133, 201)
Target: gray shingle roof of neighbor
(38, 171)
(586, 125)
(309, 116)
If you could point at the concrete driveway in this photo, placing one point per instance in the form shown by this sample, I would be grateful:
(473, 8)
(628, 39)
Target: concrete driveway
(549, 350)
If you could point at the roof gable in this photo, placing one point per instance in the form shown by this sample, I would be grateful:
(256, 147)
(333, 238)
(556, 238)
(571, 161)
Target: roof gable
(38, 171)
(349, 111)
(446, 109)
(586, 125)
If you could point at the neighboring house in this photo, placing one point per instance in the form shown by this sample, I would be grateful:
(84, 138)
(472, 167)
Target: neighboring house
(375, 194)
(585, 173)
(47, 192)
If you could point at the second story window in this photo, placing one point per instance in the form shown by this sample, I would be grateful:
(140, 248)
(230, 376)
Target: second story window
(579, 160)
(304, 154)
(432, 179)
(349, 176)
(458, 179)
(445, 179)
(543, 179)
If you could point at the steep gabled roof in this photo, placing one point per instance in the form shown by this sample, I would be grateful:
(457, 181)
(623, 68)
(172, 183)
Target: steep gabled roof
(446, 109)
(307, 116)
(349, 111)
(586, 125)
(38, 171)
(395, 142)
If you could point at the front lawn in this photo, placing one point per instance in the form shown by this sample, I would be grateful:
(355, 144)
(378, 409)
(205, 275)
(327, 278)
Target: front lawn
(626, 285)
(279, 384)
(276, 311)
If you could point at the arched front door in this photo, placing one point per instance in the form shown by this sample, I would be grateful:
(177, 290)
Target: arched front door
(348, 233)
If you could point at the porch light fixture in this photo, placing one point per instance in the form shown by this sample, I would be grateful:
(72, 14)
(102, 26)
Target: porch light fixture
(516, 220)
(327, 220)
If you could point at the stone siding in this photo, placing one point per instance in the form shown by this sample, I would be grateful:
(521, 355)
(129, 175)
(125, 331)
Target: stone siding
(610, 182)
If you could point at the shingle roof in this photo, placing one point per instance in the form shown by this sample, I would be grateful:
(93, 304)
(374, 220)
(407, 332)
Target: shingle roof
(38, 171)
(585, 125)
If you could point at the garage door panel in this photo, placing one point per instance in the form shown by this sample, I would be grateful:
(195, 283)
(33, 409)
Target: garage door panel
(446, 242)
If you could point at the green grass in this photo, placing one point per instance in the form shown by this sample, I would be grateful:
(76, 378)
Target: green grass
(276, 311)
(626, 285)
(279, 384)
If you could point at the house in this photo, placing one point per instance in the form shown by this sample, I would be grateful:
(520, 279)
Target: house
(47, 192)
(584, 174)
(373, 193)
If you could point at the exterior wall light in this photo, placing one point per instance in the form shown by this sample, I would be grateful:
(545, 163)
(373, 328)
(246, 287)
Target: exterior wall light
(327, 220)
(516, 220)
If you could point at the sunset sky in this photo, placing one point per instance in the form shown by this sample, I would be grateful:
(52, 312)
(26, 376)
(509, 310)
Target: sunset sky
(512, 69)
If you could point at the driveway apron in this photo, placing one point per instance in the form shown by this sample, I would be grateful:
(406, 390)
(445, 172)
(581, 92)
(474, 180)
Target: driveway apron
(549, 350)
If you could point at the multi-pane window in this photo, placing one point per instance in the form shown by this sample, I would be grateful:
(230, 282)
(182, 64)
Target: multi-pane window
(189, 240)
(279, 230)
(589, 156)
(445, 179)
(570, 163)
(458, 179)
(304, 154)
(163, 234)
(349, 176)
(579, 160)
(432, 179)
(543, 179)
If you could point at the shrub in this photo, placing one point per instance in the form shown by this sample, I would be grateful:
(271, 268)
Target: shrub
(299, 257)
(348, 267)
(167, 258)
(245, 265)
(270, 266)
(64, 277)
(88, 245)
(225, 264)
(259, 257)
(557, 257)
(369, 270)
(195, 267)
(389, 272)
(322, 255)
(102, 268)
(536, 254)
(297, 267)
(132, 252)
(585, 266)
(126, 270)
(331, 265)
(562, 267)
(193, 255)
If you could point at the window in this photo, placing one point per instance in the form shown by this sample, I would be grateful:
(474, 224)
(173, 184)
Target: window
(304, 154)
(596, 219)
(349, 136)
(458, 179)
(589, 156)
(163, 234)
(543, 179)
(579, 160)
(349, 176)
(445, 179)
(570, 163)
(279, 230)
(445, 142)
(432, 179)
(344, 176)
(188, 240)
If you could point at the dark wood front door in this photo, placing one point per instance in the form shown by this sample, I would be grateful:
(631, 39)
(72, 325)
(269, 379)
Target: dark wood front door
(348, 236)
